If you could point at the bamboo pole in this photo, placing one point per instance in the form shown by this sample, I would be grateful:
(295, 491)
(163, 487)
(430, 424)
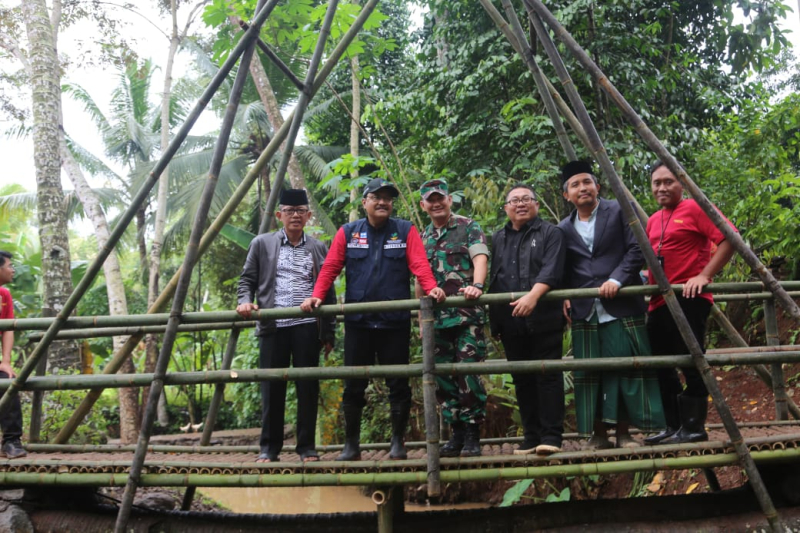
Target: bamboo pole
(263, 8)
(122, 224)
(216, 226)
(306, 93)
(669, 160)
(211, 377)
(35, 428)
(761, 371)
(426, 322)
(516, 37)
(537, 9)
(217, 449)
(310, 476)
(555, 96)
(114, 332)
(213, 410)
(546, 90)
(264, 47)
(720, 290)
(778, 383)
(86, 333)
(695, 448)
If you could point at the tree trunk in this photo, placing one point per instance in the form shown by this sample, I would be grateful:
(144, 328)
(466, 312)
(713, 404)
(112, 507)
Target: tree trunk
(442, 48)
(354, 122)
(45, 85)
(161, 209)
(115, 289)
(270, 103)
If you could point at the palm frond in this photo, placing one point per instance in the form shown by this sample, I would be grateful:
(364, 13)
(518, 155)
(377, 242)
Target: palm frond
(18, 131)
(89, 162)
(316, 158)
(324, 105)
(185, 202)
(17, 203)
(82, 96)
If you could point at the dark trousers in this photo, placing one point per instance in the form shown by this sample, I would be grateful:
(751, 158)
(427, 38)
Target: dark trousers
(362, 346)
(540, 397)
(11, 418)
(277, 350)
(665, 339)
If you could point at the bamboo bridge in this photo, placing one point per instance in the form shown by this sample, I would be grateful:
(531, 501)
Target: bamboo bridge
(58, 463)
(61, 464)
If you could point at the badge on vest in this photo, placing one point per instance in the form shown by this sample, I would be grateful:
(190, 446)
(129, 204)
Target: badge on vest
(358, 240)
(394, 242)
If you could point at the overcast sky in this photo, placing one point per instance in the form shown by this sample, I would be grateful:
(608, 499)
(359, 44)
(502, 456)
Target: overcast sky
(149, 42)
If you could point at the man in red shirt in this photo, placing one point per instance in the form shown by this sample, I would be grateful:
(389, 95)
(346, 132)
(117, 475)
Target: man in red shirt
(682, 236)
(378, 254)
(11, 419)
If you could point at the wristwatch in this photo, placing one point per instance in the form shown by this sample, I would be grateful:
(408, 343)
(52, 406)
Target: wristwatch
(478, 285)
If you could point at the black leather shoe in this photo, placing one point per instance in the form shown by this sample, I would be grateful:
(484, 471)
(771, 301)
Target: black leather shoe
(656, 439)
(694, 411)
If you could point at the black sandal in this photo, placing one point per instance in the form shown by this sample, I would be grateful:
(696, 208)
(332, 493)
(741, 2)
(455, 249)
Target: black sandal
(265, 457)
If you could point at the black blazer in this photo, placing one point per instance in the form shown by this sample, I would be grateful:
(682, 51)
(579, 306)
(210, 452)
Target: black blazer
(615, 254)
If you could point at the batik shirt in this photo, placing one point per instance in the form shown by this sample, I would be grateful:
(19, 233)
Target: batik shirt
(450, 250)
(295, 280)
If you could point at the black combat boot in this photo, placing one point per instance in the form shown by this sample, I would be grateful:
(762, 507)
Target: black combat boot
(694, 410)
(456, 442)
(399, 424)
(672, 417)
(472, 441)
(352, 434)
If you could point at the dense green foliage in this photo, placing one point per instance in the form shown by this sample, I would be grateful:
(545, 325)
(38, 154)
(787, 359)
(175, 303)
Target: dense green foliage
(449, 98)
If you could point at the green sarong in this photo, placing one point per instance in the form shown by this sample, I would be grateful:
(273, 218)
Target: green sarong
(611, 396)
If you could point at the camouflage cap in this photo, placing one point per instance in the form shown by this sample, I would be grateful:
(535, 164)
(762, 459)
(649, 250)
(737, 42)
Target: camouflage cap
(433, 186)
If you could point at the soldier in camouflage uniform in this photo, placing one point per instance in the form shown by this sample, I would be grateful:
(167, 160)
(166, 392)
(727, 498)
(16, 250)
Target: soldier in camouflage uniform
(457, 251)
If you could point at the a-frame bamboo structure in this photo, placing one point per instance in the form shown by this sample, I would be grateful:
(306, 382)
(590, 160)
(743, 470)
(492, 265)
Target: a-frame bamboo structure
(578, 120)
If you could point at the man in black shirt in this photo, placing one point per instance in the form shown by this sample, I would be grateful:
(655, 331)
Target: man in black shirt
(529, 256)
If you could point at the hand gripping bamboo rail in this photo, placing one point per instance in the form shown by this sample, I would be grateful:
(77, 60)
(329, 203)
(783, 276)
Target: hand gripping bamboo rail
(722, 291)
(537, 9)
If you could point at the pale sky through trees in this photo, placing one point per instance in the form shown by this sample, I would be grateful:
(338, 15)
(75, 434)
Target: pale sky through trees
(17, 154)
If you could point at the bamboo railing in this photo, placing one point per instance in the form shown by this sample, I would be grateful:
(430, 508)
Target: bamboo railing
(721, 291)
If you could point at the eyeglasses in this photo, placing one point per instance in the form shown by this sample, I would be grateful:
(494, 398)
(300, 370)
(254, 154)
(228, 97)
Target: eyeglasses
(521, 200)
(294, 210)
(374, 198)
